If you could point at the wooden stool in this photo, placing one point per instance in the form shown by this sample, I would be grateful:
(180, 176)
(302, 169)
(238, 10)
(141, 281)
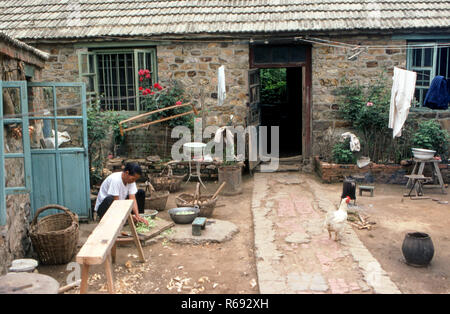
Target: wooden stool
(366, 188)
(198, 225)
(419, 165)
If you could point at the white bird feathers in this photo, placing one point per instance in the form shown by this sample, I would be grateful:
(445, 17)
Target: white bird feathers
(335, 221)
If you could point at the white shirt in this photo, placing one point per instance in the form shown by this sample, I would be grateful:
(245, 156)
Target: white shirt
(113, 185)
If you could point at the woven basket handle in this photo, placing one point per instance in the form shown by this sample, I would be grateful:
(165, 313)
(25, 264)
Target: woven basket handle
(51, 206)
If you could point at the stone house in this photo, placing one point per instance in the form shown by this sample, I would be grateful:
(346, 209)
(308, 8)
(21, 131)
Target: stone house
(318, 42)
(18, 62)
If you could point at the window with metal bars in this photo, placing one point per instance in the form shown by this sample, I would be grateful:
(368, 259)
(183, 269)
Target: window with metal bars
(429, 60)
(112, 76)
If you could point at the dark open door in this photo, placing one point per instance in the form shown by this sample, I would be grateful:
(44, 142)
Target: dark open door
(254, 118)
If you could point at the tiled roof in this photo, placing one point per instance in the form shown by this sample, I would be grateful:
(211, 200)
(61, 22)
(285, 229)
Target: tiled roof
(39, 19)
(21, 45)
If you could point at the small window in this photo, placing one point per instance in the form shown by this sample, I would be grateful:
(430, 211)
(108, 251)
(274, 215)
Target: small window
(428, 60)
(277, 54)
(112, 75)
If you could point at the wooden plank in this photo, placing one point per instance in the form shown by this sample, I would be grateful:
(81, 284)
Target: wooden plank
(99, 243)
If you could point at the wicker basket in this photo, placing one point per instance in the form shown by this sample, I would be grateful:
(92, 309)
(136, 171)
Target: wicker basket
(166, 181)
(157, 200)
(55, 237)
(206, 203)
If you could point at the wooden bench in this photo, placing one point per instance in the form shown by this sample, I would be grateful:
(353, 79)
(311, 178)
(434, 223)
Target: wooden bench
(198, 224)
(100, 247)
(366, 188)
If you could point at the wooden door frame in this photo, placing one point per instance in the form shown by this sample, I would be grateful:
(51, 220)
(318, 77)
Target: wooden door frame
(306, 94)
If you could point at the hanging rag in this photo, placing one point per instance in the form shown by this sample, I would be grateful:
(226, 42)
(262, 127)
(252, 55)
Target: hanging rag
(355, 146)
(438, 95)
(221, 88)
(402, 94)
(229, 137)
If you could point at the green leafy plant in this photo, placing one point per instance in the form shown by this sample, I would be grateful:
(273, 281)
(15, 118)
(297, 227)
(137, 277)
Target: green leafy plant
(99, 124)
(342, 154)
(367, 108)
(273, 86)
(430, 135)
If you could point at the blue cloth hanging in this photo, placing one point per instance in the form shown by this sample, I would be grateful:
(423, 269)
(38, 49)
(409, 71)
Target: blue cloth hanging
(438, 95)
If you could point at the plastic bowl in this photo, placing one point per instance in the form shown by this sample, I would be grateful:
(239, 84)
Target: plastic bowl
(183, 218)
(420, 153)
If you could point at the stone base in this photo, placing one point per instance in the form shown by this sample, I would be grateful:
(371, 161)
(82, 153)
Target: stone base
(215, 231)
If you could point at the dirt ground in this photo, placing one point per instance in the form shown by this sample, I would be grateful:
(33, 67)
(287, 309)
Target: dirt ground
(229, 267)
(171, 268)
(395, 216)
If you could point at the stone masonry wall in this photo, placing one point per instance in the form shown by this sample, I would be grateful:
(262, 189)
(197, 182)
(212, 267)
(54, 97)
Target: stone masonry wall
(194, 65)
(331, 64)
(14, 240)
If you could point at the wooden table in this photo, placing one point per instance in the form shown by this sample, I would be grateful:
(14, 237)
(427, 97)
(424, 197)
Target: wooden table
(100, 247)
(28, 283)
(419, 165)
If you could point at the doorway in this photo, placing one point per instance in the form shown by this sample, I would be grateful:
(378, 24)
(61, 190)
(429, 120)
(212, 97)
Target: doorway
(281, 105)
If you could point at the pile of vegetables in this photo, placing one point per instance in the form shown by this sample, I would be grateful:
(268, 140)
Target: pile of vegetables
(142, 227)
(185, 212)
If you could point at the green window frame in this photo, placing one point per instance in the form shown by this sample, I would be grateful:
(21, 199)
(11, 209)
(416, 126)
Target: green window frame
(428, 60)
(111, 75)
(24, 154)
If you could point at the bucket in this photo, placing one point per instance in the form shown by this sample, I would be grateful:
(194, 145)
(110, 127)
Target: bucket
(232, 175)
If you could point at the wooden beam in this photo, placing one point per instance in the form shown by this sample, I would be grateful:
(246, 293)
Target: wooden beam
(101, 240)
(122, 130)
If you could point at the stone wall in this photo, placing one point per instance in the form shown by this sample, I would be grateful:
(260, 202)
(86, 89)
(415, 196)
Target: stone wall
(195, 66)
(14, 240)
(330, 65)
(378, 173)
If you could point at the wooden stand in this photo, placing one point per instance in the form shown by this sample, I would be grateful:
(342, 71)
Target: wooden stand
(100, 247)
(419, 165)
(417, 181)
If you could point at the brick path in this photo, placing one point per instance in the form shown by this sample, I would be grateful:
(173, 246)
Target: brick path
(293, 252)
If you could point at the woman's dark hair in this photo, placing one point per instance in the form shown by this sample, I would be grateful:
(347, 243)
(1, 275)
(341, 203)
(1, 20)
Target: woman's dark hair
(133, 168)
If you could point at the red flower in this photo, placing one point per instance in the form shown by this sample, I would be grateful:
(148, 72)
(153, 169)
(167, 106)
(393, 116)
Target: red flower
(157, 86)
(141, 88)
(178, 103)
(148, 90)
(147, 76)
(141, 78)
(152, 93)
(141, 72)
(144, 92)
(146, 71)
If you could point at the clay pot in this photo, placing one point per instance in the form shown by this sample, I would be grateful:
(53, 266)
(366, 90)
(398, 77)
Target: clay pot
(418, 249)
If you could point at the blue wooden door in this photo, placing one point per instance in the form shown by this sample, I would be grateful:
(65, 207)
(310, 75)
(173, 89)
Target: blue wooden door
(59, 157)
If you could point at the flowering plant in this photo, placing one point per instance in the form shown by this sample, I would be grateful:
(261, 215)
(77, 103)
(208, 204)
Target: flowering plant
(155, 96)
